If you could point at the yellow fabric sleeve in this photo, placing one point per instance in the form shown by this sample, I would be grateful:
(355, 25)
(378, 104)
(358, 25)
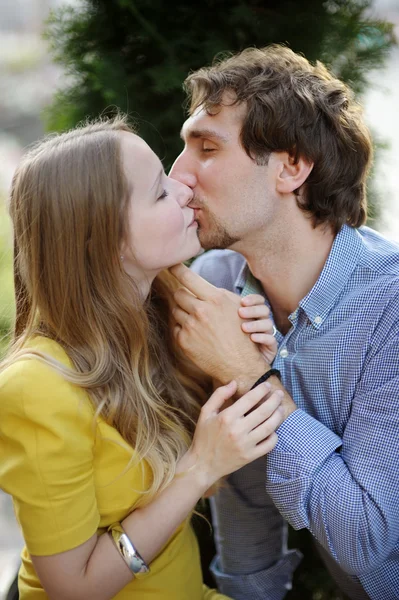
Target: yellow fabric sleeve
(208, 594)
(46, 456)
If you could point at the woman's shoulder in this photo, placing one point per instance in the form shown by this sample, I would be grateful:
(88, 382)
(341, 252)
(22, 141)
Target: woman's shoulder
(13, 372)
(29, 382)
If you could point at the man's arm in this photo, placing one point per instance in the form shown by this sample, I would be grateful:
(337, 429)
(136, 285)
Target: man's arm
(251, 537)
(345, 491)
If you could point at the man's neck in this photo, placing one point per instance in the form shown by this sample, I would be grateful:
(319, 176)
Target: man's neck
(288, 265)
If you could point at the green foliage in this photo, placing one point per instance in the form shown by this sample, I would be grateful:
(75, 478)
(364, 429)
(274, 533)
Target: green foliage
(134, 55)
(6, 282)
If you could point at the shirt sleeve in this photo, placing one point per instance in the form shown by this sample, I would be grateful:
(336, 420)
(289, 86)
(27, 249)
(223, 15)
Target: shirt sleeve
(345, 491)
(46, 457)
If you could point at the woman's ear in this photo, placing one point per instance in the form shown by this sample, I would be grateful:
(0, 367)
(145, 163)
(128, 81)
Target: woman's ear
(290, 174)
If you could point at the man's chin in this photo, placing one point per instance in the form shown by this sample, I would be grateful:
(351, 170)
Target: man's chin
(206, 241)
(214, 242)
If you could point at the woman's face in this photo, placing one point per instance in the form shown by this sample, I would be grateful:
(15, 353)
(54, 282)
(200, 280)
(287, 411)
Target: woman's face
(161, 228)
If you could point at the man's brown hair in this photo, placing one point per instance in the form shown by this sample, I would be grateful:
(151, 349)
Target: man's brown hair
(302, 109)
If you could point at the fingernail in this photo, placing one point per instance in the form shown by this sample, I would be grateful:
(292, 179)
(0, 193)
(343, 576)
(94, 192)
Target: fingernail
(280, 393)
(266, 385)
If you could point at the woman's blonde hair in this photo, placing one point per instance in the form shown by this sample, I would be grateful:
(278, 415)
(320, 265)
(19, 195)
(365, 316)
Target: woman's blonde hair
(68, 205)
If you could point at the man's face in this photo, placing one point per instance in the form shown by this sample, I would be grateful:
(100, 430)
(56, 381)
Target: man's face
(233, 195)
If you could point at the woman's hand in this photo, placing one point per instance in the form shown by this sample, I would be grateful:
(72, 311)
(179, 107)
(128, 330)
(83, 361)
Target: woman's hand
(258, 324)
(227, 439)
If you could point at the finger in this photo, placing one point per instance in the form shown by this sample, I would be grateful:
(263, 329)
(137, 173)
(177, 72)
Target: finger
(253, 312)
(176, 331)
(265, 447)
(265, 410)
(193, 282)
(258, 326)
(252, 300)
(179, 315)
(249, 400)
(186, 300)
(265, 429)
(219, 397)
(265, 339)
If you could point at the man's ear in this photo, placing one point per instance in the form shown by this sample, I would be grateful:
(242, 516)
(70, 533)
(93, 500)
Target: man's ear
(291, 175)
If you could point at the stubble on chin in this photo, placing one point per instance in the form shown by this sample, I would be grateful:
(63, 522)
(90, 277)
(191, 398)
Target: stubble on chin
(212, 234)
(215, 237)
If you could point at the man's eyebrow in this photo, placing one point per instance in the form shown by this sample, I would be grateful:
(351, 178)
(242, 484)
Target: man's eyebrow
(203, 133)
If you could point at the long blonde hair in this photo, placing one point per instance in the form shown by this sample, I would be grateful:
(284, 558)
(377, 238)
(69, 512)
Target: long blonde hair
(68, 205)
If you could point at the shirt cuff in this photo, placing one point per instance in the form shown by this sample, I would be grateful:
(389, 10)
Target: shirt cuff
(304, 436)
(271, 583)
(303, 446)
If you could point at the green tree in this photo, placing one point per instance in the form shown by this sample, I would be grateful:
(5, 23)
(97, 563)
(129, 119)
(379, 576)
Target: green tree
(135, 54)
(6, 279)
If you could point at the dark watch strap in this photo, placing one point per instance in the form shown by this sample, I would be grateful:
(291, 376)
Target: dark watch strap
(266, 376)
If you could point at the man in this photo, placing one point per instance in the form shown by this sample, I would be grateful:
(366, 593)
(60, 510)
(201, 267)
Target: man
(277, 154)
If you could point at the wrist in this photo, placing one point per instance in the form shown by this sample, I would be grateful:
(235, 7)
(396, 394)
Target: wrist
(246, 378)
(245, 374)
(193, 470)
(273, 376)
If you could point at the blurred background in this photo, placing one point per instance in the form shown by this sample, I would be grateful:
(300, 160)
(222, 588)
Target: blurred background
(98, 55)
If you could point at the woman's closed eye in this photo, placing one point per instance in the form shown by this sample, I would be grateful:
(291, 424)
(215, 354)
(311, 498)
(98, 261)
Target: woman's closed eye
(163, 195)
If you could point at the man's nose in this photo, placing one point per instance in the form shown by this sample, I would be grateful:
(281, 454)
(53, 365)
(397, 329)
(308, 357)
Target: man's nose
(185, 195)
(181, 172)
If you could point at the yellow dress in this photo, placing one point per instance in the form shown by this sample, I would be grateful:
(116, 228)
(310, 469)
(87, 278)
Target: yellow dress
(68, 478)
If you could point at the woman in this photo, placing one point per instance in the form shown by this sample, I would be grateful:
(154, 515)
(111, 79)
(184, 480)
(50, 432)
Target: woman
(103, 445)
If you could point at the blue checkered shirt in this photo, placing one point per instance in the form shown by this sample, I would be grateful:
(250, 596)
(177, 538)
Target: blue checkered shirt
(335, 469)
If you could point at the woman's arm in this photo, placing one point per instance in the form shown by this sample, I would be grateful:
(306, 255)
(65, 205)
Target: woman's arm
(95, 570)
(224, 441)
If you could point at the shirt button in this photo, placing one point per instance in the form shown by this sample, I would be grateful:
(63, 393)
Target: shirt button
(284, 353)
(318, 320)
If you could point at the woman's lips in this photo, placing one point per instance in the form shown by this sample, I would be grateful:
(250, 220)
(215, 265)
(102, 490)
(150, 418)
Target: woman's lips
(195, 216)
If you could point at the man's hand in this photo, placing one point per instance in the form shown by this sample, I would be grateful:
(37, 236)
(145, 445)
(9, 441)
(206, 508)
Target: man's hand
(208, 329)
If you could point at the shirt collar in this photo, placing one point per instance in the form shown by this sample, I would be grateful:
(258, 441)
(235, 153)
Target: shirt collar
(341, 262)
(244, 276)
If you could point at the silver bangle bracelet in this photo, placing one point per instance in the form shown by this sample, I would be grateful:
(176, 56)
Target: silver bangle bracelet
(126, 549)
